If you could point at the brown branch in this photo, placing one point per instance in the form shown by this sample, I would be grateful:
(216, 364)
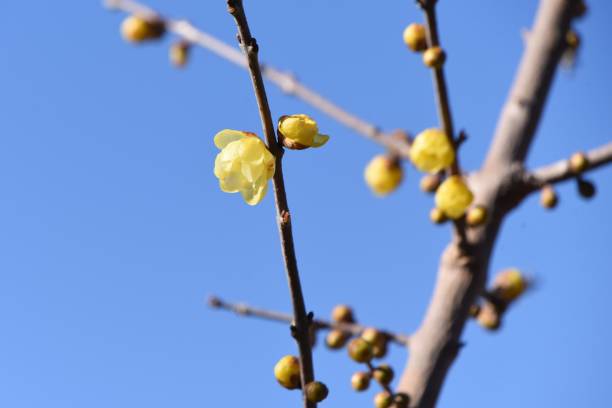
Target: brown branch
(353, 328)
(285, 81)
(463, 268)
(301, 321)
(560, 171)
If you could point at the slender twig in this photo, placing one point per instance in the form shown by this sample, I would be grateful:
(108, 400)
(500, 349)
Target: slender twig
(353, 328)
(560, 171)
(284, 80)
(301, 320)
(442, 101)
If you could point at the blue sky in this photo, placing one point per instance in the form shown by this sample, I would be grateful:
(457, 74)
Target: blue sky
(114, 230)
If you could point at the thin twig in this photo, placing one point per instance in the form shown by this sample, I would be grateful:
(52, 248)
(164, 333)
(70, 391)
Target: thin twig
(353, 328)
(560, 171)
(285, 81)
(301, 320)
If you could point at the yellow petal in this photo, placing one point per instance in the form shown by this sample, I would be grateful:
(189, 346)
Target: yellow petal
(319, 140)
(431, 151)
(453, 197)
(254, 194)
(299, 128)
(227, 136)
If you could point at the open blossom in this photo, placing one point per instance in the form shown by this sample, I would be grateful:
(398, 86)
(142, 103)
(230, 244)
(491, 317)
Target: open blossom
(453, 197)
(383, 175)
(300, 132)
(431, 151)
(244, 164)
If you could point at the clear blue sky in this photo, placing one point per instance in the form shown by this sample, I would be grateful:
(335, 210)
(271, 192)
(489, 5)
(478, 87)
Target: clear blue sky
(114, 231)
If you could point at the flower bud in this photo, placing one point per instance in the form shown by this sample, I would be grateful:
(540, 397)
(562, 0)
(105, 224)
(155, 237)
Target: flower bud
(298, 132)
(509, 284)
(360, 350)
(379, 350)
(383, 374)
(343, 314)
(453, 197)
(138, 29)
(383, 175)
(287, 372)
(432, 151)
(489, 317)
(360, 381)
(179, 53)
(336, 339)
(437, 216)
(430, 182)
(572, 40)
(476, 216)
(316, 391)
(415, 37)
(586, 189)
(548, 197)
(578, 163)
(401, 400)
(377, 340)
(383, 400)
(434, 57)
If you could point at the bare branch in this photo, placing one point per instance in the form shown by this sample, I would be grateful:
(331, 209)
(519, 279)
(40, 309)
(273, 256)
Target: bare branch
(560, 171)
(285, 81)
(353, 328)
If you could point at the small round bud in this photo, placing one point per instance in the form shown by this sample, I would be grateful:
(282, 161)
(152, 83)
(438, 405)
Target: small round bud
(287, 372)
(383, 175)
(437, 216)
(489, 317)
(432, 151)
(572, 40)
(383, 400)
(586, 189)
(336, 339)
(379, 350)
(316, 391)
(360, 350)
(401, 400)
(476, 216)
(548, 197)
(298, 132)
(430, 182)
(578, 163)
(434, 57)
(453, 197)
(360, 381)
(474, 310)
(179, 53)
(415, 37)
(343, 314)
(509, 284)
(373, 336)
(138, 29)
(383, 374)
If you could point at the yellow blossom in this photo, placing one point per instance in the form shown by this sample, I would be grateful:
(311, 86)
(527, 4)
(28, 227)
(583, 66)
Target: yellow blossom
(137, 29)
(244, 164)
(415, 37)
(453, 197)
(287, 372)
(509, 284)
(431, 151)
(300, 132)
(383, 175)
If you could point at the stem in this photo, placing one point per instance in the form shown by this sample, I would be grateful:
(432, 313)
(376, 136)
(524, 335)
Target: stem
(301, 322)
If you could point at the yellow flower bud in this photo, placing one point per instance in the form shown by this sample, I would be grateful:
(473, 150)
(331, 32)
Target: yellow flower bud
(453, 197)
(432, 151)
(415, 37)
(548, 197)
(578, 162)
(244, 165)
(138, 29)
(360, 350)
(509, 284)
(437, 216)
(489, 317)
(383, 400)
(179, 54)
(383, 374)
(343, 313)
(379, 350)
(287, 372)
(429, 183)
(316, 391)
(383, 175)
(476, 216)
(300, 132)
(434, 57)
(336, 339)
(360, 381)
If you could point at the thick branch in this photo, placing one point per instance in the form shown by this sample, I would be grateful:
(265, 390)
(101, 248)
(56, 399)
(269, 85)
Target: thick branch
(353, 328)
(285, 81)
(301, 321)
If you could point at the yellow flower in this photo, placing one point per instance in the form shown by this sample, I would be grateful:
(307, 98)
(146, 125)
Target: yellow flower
(287, 372)
(509, 284)
(383, 175)
(431, 151)
(300, 132)
(415, 37)
(453, 197)
(137, 29)
(244, 164)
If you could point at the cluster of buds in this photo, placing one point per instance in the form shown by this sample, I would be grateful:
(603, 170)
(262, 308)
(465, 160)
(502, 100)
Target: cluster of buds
(287, 372)
(415, 37)
(507, 287)
(577, 164)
